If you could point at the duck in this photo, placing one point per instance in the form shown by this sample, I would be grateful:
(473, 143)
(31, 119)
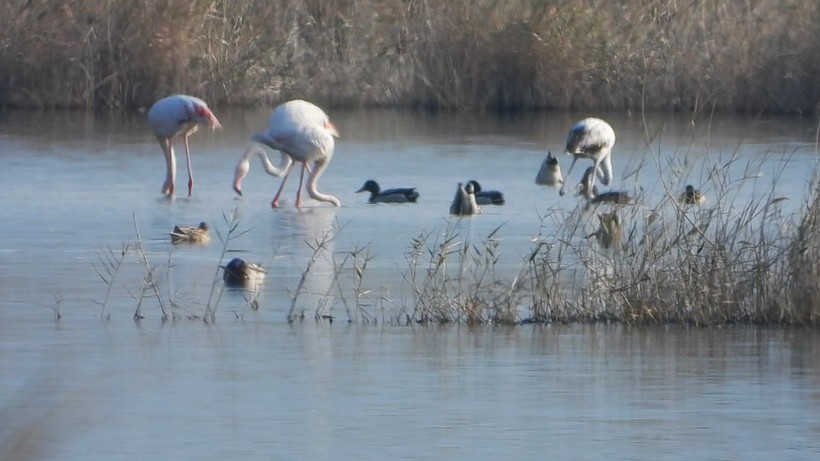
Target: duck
(594, 197)
(609, 233)
(691, 196)
(486, 197)
(191, 234)
(550, 172)
(397, 195)
(464, 203)
(239, 273)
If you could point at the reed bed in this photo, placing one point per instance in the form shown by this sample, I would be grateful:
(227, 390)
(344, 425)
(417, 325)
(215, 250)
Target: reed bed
(658, 261)
(494, 55)
(666, 262)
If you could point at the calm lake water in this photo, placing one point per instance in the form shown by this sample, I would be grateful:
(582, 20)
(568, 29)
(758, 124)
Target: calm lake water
(252, 386)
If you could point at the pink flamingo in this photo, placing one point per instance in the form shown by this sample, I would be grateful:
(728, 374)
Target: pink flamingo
(301, 132)
(173, 117)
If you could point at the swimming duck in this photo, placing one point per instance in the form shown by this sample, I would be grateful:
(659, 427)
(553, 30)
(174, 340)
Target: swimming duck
(594, 197)
(550, 172)
(609, 233)
(398, 195)
(692, 196)
(239, 273)
(191, 234)
(464, 203)
(486, 197)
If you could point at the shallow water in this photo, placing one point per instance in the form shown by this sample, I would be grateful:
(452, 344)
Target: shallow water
(252, 386)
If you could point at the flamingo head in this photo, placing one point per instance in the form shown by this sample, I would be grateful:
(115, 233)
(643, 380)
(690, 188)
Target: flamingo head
(331, 128)
(241, 171)
(208, 117)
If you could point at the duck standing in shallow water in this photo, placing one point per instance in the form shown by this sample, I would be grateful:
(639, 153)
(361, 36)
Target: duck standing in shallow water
(239, 273)
(550, 172)
(397, 195)
(486, 197)
(464, 203)
(590, 191)
(609, 233)
(692, 197)
(191, 234)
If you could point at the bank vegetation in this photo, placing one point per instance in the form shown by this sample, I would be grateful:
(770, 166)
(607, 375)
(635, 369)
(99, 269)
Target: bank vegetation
(484, 55)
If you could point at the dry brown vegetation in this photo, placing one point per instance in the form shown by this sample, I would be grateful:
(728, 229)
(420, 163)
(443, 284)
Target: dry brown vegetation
(757, 55)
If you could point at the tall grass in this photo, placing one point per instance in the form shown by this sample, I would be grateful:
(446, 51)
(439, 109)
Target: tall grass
(497, 55)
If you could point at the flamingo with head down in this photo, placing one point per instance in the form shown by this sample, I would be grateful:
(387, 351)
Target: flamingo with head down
(594, 139)
(301, 132)
(178, 116)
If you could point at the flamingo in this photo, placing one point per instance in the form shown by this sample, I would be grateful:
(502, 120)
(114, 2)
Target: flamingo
(591, 138)
(301, 132)
(173, 117)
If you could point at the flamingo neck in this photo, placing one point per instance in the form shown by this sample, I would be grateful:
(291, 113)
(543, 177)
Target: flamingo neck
(269, 167)
(319, 167)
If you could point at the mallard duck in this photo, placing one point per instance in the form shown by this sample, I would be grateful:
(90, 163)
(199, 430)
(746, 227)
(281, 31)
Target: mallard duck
(191, 234)
(486, 197)
(594, 139)
(239, 273)
(692, 197)
(464, 203)
(550, 172)
(594, 197)
(398, 195)
(609, 232)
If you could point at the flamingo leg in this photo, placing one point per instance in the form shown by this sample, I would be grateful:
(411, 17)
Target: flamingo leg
(190, 171)
(275, 203)
(566, 176)
(301, 181)
(605, 169)
(169, 187)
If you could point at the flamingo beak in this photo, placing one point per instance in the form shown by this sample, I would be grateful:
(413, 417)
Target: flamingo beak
(206, 114)
(241, 171)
